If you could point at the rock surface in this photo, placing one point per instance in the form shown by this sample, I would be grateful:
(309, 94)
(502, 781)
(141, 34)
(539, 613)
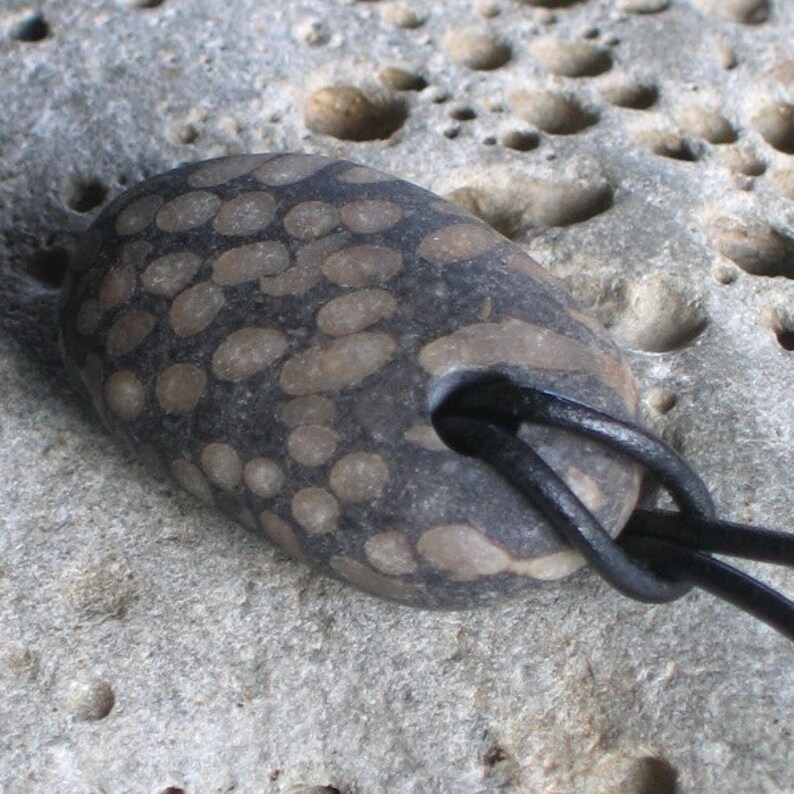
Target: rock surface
(147, 644)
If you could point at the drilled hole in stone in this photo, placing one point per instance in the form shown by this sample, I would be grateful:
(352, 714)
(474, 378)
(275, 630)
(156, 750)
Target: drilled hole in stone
(173, 790)
(143, 3)
(520, 140)
(347, 113)
(49, 265)
(463, 114)
(31, 29)
(785, 338)
(86, 196)
(629, 94)
(667, 144)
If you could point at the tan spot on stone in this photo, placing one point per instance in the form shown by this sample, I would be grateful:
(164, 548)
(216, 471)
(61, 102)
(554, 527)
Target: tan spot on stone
(222, 465)
(189, 476)
(343, 363)
(426, 437)
(195, 308)
(225, 169)
(585, 488)
(188, 211)
(125, 395)
(462, 551)
(263, 477)
(117, 287)
(550, 567)
(171, 273)
(458, 242)
(137, 215)
(355, 311)
(249, 262)
(291, 168)
(370, 216)
(311, 445)
(364, 578)
(245, 352)
(281, 533)
(128, 331)
(390, 552)
(311, 219)
(313, 409)
(245, 214)
(179, 388)
(88, 317)
(359, 477)
(361, 175)
(587, 320)
(315, 510)
(516, 343)
(362, 265)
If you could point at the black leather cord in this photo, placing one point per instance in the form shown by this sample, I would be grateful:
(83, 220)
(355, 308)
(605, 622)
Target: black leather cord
(660, 553)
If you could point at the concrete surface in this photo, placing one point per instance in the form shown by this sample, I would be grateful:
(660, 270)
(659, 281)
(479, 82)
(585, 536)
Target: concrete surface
(640, 149)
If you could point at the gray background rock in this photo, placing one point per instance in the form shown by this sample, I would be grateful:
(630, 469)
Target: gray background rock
(146, 643)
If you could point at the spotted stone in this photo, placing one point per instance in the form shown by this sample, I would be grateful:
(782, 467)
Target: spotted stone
(277, 329)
